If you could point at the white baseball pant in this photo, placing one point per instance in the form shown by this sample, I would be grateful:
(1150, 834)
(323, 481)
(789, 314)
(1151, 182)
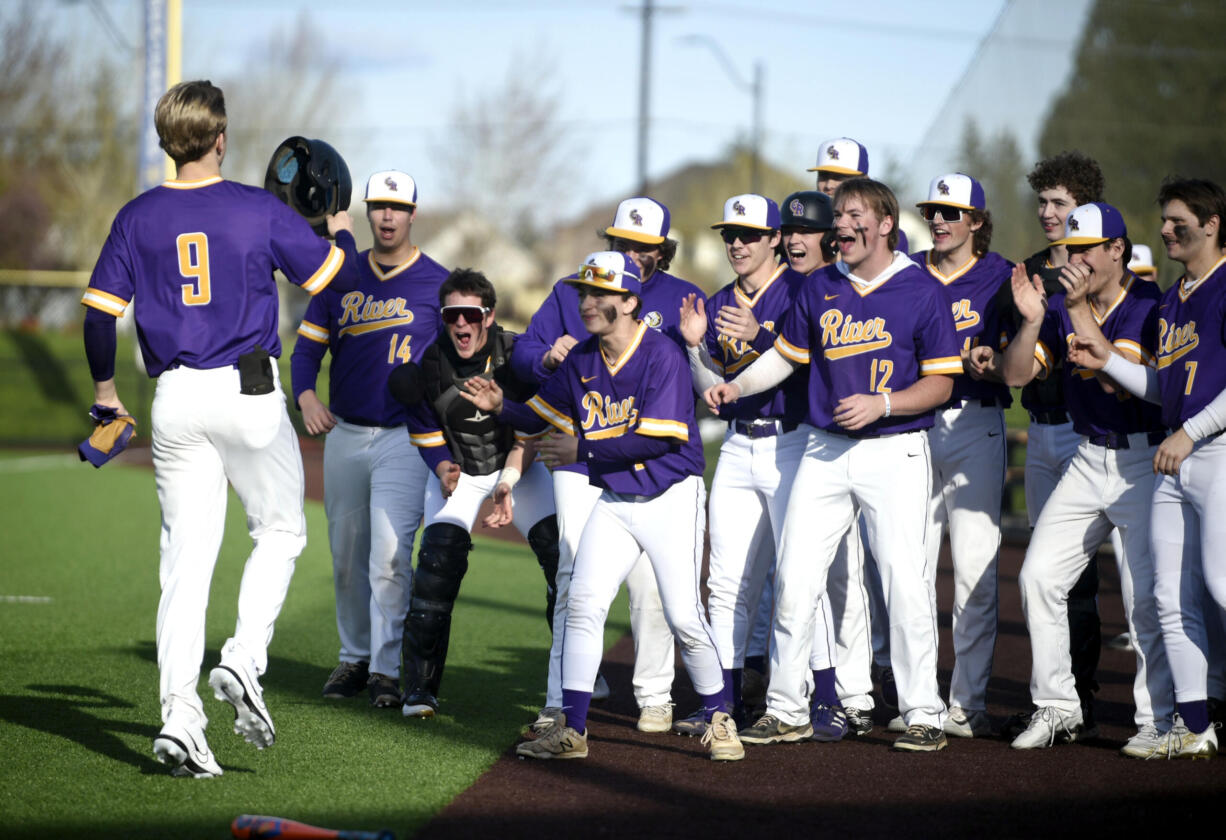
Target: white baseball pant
(669, 528)
(968, 464)
(1102, 488)
(374, 497)
(206, 432)
(890, 478)
(531, 498)
(1188, 530)
(574, 498)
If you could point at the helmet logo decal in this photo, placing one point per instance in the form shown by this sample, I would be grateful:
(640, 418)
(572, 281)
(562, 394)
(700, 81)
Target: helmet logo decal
(942, 188)
(738, 208)
(797, 207)
(636, 217)
(390, 184)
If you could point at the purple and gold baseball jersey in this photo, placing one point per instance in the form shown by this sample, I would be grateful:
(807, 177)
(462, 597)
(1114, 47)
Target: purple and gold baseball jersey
(1190, 340)
(1129, 323)
(869, 340)
(770, 304)
(198, 259)
(972, 290)
(559, 316)
(389, 319)
(647, 392)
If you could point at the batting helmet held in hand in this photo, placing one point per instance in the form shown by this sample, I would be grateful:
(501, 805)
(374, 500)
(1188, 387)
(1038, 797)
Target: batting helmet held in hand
(807, 209)
(312, 178)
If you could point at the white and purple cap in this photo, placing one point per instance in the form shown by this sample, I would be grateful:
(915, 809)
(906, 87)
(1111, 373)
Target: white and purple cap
(611, 271)
(1142, 261)
(391, 186)
(956, 190)
(1091, 224)
(752, 211)
(640, 219)
(841, 156)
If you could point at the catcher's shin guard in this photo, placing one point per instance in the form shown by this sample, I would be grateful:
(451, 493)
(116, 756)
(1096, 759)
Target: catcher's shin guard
(543, 538)
(441, 564)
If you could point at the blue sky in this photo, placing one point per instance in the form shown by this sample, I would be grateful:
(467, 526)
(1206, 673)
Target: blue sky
(880, 72)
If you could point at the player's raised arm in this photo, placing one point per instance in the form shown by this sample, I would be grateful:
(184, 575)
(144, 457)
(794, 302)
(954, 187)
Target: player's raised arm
(1019, 364)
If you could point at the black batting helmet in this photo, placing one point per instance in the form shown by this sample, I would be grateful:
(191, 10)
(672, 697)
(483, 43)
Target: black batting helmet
(807, 209)
(312, 178)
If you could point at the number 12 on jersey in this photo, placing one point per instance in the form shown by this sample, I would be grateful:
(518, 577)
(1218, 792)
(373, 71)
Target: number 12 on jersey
(879, 376)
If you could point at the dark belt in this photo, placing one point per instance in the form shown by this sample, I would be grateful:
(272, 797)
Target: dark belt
(1050, 418)
(1114, 440)
(763, 427)
(986, 402)
(370, 424)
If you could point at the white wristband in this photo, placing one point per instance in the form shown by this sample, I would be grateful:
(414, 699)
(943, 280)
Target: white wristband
(885, 396)
(509, 477)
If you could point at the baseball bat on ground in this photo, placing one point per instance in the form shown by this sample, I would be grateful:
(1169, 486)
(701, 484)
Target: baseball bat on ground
(252, 827)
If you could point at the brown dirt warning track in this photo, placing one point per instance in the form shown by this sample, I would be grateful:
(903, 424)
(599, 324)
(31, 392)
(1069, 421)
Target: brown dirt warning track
(636, 785)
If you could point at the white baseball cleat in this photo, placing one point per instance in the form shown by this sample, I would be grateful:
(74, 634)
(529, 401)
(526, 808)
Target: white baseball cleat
(235, 684)
(967, 724)
(1049, 726)
(186, 751)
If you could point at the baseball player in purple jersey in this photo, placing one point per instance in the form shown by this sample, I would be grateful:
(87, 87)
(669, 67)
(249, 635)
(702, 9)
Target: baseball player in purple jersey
(640, 230)
(374, 483)
(1187, 530)
(967, 441)
(1107, 484)
(838, 160)
(764, 443)
(624, 400)
(882, 348)
(197, 256)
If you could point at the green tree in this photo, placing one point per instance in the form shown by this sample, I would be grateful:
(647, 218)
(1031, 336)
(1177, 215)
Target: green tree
(996, 162)
(1147, 99)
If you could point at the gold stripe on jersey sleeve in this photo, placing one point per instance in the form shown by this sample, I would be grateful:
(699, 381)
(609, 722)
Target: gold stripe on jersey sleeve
(1043, 356)
(1133, 351)
(321, 278)
(313, 331)
(524, 436)
(946, 365)
(791, 352)
(104, 301)
(428, 439)
(551, 415)
(652, 427)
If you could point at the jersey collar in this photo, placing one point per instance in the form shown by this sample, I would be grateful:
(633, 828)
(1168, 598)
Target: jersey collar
(388, 275)
(1187, 288)
(946, 279)
(620, 361)
(751, 300)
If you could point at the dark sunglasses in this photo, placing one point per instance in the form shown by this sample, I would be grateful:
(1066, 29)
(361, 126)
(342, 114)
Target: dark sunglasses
(949, 214)
(470, 314)
(746, 235)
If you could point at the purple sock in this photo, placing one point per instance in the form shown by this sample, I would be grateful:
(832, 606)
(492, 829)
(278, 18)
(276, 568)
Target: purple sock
(721, 701)
(1195, 715)
(756, 663)
(574, 706)
(734, 678)
(823, 688)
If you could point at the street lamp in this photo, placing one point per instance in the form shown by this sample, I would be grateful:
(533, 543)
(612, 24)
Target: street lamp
(754, 89)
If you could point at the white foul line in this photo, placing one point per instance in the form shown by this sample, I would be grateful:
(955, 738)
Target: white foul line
(24, 599)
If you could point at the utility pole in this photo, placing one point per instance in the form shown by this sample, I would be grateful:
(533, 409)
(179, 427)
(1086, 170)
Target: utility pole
(646, 13)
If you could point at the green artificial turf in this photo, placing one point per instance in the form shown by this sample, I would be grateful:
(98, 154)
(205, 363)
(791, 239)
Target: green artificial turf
(79, 706)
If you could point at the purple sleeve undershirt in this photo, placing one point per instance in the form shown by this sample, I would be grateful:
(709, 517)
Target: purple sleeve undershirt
(624, 451)
(100, 344)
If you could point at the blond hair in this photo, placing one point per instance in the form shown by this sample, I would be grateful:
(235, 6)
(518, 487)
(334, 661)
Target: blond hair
(189, 117)
(879, 198)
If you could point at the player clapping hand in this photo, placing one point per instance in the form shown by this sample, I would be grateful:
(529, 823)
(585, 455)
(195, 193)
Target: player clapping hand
(484, 394)
(1075, 278)
(559, 351)
(693, 319)
(737, 322)
(1028, 294)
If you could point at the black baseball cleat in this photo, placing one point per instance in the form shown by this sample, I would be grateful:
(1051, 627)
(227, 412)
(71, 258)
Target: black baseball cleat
(421, 704)
(346, 680)
(384, 691)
